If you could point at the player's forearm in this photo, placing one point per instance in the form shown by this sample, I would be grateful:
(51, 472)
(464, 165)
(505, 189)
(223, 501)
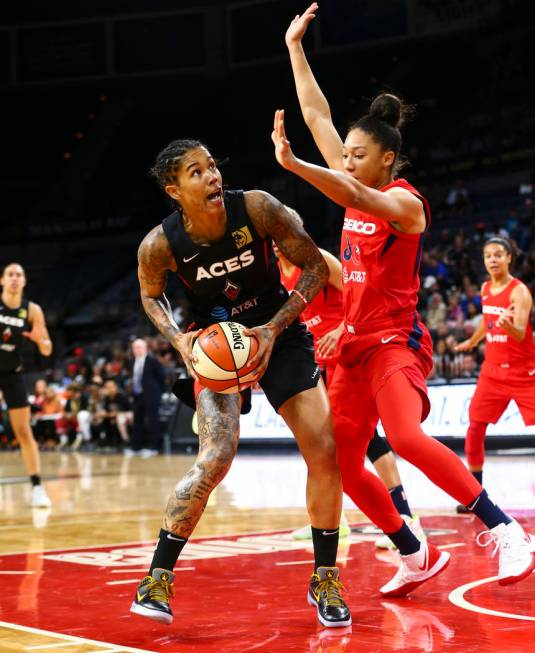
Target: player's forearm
(337, 186)
(311, 99)
(516, 332)
(313, 277)
(158, 311)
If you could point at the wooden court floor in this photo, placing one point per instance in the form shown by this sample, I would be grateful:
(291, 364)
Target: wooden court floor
(68, 574)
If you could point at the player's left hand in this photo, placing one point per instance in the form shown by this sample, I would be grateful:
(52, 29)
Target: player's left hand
(283, 151)
(38, 334)
(327, 344)
(507, 316)
(265, 336)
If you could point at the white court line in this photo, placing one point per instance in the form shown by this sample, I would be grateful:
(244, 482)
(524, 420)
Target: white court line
(41, 646)
(136, 580)
(457, 598)
(305, 562)
(78, 640)
(281, 531)
(451, 546)
(16, 573)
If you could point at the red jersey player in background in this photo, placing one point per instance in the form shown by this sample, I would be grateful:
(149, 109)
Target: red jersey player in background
(385, 353)
(508, 372)
(324, 318)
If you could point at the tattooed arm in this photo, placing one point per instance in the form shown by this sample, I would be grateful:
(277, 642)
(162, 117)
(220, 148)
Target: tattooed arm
(271, 218)
(154, 260)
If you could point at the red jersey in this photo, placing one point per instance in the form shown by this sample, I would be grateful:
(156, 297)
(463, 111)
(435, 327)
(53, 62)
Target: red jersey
(380, 267)
(500, 348)
(325, 311)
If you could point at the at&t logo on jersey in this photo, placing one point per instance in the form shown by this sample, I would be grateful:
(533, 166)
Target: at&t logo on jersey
(220, 268)
(244, 306)
(359, 226)
(353, 276)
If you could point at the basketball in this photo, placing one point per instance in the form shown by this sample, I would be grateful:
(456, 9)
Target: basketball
(222, 352)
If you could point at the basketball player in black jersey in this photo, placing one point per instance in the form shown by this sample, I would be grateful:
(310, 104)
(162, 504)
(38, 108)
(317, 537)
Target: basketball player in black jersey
(21, 319)
(219, 244)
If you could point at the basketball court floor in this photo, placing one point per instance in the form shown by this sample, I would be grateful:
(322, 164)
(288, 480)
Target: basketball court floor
(68, 574)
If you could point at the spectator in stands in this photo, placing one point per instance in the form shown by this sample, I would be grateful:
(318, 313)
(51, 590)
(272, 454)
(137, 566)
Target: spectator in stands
(77, 417)
(47, 410)
(458, 198)
(436, 311)
(113, 417)
(454, 314)
(147, 387)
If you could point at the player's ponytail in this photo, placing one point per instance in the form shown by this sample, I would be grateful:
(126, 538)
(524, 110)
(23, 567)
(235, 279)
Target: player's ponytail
(385, 117)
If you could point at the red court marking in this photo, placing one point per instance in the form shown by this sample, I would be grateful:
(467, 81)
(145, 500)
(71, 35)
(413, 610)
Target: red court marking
(239, 599)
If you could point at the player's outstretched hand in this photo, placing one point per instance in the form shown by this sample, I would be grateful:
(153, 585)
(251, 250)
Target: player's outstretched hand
(299, 25)
(506, 316)
(266, 339)
(465, 345)
(183, 343)
(283, 151)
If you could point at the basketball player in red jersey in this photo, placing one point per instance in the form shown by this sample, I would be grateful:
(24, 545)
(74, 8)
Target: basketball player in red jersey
(385, 353)
(323, 317)
(508, 372)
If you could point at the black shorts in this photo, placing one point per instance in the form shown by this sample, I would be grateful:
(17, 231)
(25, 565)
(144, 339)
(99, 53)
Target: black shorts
(13, 387)
(292, 367)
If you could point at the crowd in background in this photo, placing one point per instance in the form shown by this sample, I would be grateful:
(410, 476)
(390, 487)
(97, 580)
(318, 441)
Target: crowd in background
(90, 400)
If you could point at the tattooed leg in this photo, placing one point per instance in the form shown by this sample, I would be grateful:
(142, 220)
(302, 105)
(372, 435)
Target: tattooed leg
(219, 426)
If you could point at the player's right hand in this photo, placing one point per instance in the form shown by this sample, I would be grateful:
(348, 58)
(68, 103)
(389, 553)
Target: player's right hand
(283, 151)
(299, 25)
(465, 345)
(183, 343)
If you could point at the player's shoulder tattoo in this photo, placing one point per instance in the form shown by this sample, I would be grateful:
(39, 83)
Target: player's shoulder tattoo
(263, 209)
(155, 252)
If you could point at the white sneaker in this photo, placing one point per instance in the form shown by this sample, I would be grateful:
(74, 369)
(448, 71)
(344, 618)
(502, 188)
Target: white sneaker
(40, 498)
(148, 453)
(415, 569)
(516, 547)
(384, 542)
(305, 533)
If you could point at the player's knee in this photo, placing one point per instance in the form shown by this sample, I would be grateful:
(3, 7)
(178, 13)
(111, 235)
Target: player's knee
(218, 458)
(322, 454)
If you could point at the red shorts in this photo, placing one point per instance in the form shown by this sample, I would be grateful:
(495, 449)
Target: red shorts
(496, 387)
(366, 362)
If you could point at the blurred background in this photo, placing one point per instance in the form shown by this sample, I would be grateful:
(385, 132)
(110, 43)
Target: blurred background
(92, 91)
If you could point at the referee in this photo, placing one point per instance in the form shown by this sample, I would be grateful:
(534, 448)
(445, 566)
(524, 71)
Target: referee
(19, 319)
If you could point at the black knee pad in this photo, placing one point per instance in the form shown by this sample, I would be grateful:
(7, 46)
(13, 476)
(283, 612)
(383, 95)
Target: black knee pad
(378, 447)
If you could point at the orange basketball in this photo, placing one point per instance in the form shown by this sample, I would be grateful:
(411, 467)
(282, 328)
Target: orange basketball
(223, 351)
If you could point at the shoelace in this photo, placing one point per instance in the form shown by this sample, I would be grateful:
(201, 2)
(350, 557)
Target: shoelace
(331, 588)
(499, 541)
(159, 590)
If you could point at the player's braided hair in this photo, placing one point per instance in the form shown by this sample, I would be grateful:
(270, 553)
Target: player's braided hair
(385, 117)
(168, 160)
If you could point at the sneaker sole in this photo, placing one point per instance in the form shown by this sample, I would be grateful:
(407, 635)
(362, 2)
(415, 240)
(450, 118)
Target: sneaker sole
(510, 580)
(324, 622)
(160, 617)
(437, 568)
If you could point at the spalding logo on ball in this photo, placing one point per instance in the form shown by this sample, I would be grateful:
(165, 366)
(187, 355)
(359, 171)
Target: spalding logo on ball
(222, 351)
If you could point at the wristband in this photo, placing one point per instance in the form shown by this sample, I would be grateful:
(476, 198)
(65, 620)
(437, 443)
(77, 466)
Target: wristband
(305, 302)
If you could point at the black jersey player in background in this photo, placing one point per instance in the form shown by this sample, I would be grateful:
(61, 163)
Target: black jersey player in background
(220, 246)
(20, 319)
